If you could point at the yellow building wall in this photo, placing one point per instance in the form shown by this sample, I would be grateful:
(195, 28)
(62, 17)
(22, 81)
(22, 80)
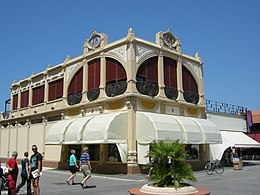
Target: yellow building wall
(22, 142)
(4, 143)
(13, 141)
(53, 152)
(37, 137)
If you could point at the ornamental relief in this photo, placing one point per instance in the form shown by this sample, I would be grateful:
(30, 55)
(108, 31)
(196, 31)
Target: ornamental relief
(120, 52)
(195, 67)
(141, 51)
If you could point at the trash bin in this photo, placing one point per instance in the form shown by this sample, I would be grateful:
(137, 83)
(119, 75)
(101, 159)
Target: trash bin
(237, 164)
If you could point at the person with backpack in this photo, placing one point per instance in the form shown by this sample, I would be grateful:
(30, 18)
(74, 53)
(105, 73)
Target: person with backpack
(25, 175)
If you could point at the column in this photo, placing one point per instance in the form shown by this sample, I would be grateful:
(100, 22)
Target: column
(85, 81)
(161, 75)
(179, 81)
(132, 166)
(131, 69)
(46, 88)
(30, 93)
(102, 76)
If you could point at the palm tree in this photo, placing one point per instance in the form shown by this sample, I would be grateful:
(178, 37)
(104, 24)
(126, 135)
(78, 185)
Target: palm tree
(170, 168)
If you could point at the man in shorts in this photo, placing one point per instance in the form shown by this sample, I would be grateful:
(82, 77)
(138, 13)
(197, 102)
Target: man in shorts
(85, 166)
(35, 167)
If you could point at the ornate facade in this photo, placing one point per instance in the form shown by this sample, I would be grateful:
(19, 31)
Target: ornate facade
(110, 99)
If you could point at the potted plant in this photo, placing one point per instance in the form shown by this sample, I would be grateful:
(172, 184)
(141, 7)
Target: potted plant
(169, 173)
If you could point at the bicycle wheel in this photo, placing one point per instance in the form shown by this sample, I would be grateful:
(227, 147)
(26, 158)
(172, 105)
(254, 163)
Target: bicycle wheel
(219, 169)
(208, 169)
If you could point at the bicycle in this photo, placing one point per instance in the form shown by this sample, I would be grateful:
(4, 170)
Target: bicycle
(214, 166)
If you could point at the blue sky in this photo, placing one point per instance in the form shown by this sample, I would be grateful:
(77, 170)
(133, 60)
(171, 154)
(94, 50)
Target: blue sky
(226, 34)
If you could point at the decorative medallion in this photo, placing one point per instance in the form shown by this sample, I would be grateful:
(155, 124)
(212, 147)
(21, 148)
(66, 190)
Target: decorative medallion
(169, 39)
(94, 41)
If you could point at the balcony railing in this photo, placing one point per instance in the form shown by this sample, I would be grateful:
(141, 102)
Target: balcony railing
(147, 88)
(214, 106)
(93, 94)
(191, 97)
(74, 98)
(171, 93)
(115, 89)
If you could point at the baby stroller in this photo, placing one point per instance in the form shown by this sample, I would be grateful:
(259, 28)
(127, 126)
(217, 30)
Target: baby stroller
(4, 186)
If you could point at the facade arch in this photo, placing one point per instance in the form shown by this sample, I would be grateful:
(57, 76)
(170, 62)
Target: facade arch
(75, 87)
(147, 77)
(190, 86)
(116, 78)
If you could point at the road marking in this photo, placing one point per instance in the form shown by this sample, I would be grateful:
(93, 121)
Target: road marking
(120, 179)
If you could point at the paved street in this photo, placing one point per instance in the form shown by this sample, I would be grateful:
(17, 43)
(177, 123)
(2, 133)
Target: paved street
(231, 182)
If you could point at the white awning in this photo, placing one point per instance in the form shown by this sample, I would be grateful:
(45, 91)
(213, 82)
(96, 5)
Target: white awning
(99, 129)
(232, 139)
(57, 132)
(152, 126)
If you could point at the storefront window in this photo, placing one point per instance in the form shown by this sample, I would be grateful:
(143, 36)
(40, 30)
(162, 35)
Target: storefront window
(192, 151)
(77, 148)
(113, 153)
(94, 152)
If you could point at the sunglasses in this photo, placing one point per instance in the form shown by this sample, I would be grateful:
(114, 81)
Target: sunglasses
(34, 148)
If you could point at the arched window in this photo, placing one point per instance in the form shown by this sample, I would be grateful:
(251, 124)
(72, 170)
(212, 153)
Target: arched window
(93, 79)
(170, 78)
(115, 78)
(75, 88)
(190, 87)
(38, 95)
(147, 77)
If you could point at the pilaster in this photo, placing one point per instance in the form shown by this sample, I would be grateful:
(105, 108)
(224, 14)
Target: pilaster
(179, 81)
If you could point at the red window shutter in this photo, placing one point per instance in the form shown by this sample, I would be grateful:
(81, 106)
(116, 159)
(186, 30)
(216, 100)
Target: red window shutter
(35, 96)
(152, 70)
(94, 74)
(149, 70)
(170, 72)
(142, 71)
(59, 88)
(110, 70)
(189, 83)
(41, 94)
(52, 86)
(121, 74)
(97, 74)
(114, 70)
(76, 83)
(79, 81)
(24, 99)
(15, 101)
(91, 76)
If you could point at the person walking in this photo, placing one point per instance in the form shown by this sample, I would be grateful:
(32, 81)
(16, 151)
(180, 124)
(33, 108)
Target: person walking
(35, 169)
(85, 167)
(25, 175)
(12, 173)
(73, 168)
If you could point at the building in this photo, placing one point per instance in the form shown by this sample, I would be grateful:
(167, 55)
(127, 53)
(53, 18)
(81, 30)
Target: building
(116, 98)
